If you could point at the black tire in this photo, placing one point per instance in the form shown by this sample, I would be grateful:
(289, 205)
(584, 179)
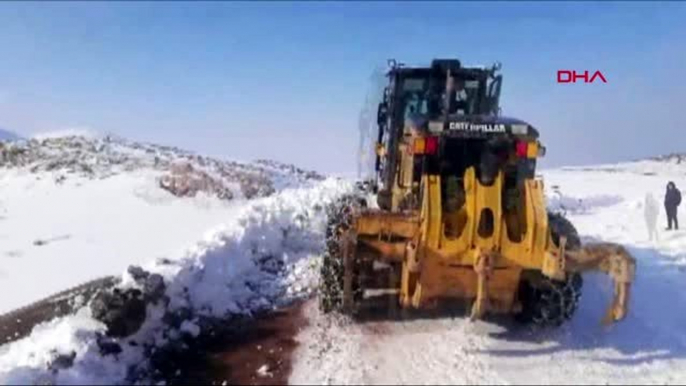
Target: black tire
(339, 219)
(547, 302)
(560, 226)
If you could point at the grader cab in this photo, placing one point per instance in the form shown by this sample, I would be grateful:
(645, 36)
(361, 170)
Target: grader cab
(458, 212)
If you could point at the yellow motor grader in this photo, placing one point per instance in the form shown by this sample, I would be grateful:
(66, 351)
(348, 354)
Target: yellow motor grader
(457, 212)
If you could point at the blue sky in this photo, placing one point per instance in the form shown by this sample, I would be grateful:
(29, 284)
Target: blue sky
(287, 80)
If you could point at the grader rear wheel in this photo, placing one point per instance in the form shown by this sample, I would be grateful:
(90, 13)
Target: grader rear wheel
(547, 302)
(332, 272)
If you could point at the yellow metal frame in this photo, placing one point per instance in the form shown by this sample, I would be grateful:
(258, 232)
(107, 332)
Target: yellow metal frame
(483, 268)
(528, 253)
(469, 266)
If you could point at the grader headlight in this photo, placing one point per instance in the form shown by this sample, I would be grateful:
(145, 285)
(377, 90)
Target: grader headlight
(520, 129)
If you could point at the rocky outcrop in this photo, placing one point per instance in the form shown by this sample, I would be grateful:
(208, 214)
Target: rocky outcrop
(123, 311)
(184, 180)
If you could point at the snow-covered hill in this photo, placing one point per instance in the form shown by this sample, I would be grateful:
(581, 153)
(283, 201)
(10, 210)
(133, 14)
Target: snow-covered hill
(183, 173)
(264, 253)
(96, 204)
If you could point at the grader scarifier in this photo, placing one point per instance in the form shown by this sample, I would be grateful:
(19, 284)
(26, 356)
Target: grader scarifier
(455, 210)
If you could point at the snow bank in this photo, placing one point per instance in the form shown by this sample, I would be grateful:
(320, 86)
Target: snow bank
(32, 360)
(265, 256)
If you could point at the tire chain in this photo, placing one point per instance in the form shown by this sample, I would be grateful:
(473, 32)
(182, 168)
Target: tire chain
(340, 216)
(554, 302)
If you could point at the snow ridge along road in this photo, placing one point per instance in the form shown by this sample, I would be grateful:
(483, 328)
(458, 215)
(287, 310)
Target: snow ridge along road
(264, 258)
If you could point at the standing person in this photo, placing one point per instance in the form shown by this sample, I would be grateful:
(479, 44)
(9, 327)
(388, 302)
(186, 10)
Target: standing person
(651, 211)
(672, 201)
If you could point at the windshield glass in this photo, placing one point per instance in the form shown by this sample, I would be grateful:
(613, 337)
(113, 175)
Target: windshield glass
(423, 100)
(466, 93)
(415, 98)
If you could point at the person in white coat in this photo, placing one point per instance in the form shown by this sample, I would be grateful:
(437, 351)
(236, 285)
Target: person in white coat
(651, 210)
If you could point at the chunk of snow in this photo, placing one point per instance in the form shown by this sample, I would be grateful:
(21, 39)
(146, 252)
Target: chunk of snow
(264, 372)
(191, 328)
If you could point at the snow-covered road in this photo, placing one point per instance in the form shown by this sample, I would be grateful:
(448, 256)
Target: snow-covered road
(648, 347)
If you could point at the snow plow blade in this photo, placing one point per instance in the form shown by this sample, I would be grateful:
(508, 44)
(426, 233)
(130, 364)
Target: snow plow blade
(615, 261)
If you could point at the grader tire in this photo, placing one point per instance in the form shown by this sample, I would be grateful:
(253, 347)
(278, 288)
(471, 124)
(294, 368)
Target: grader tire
(339, 220)
(560, 226)
(547, 302)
